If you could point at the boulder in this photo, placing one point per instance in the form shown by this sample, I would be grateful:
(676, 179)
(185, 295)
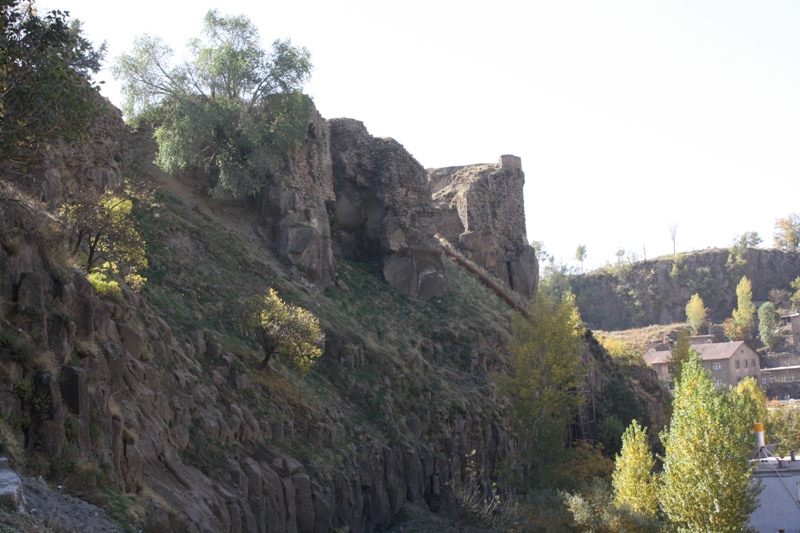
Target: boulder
(10, 489)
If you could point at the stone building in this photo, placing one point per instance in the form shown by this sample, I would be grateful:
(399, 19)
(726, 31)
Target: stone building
(728, 362)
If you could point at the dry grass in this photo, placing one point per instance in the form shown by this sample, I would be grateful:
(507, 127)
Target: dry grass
(640, 338)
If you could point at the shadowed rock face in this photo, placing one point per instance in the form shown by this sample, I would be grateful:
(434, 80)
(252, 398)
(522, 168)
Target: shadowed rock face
(383, 209)
(483, 215)
(293, 208)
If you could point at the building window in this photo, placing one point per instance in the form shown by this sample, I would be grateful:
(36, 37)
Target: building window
(763, 381)
(791, 378)
(737, 363)
(772, 379)
(669, 369)
(716, 366)
(754, 363)
(718, 382)
(745, 363)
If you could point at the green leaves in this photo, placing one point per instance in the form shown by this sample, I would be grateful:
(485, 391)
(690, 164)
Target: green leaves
(288, 330)
(696, 313)
(635, 484)
(46, 93)
(546, 369)
(234, 109)
(706, 485)
(767, 323)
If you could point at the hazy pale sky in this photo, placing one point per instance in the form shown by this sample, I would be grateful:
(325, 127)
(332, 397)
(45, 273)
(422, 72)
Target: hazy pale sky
(628, 116)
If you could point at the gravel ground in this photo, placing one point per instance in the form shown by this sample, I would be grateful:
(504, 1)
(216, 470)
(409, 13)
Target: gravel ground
(48, 510)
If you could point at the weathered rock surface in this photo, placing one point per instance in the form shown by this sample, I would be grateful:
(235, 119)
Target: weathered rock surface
(10, 486)
(130, 395)
(657, 291)
(483, 216)
(96, 166)
(293, 206)
(383, 209)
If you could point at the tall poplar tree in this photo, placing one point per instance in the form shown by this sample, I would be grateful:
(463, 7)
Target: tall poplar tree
(635, 484)
(696, 313)
(706, 485)
(767, 323)
(741, 325)
(547, 367)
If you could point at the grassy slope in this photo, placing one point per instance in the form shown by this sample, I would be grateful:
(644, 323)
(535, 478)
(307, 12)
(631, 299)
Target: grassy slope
(415, 353)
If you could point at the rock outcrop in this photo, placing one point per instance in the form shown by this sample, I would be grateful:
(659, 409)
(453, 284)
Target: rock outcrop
(293, 206)
(657, 291)
(94, 167)
(164, 411)
(383, 209)
(483, 215)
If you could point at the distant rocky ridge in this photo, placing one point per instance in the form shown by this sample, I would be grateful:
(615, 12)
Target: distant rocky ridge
(657, 291)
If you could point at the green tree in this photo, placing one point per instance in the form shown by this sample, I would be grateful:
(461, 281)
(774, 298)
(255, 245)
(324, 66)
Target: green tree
(738, 249)
(546, 368)
(580, 254)
(286, 329)
(796, 296)
(744, 314)
(752, 401)
(696, 313)
(635, 484)
(787, 232)
(767, 322)
(706, 485)
(108, 230)
(233, 108)
(46, 92)
(679, 354)
(783, 427)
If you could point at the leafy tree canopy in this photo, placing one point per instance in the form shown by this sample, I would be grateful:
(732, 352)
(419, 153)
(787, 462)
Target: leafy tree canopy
(108, 229)
(233, 108)
(744, 314)
(706, 485)
(696, 313)
(46, 92)
(546, 368)
(787, 232)
(767, 322)
(634, 483)
(286, 329)
(679, 355)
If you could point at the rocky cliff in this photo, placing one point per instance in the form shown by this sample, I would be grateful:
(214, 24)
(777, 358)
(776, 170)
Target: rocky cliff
(155, 398)
(483, 215)
(657, 291)
(348, 194)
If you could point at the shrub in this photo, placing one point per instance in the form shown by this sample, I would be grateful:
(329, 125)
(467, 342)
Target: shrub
(105, 287)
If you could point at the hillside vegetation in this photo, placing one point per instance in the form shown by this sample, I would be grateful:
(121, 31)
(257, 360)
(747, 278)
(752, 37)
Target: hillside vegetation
(136, 380)
(656, 291)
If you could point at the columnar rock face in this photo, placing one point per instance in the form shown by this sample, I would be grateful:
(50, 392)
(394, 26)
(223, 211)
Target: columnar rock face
(96, 165)
(293, 206)
(483, 215)
(383, 209)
